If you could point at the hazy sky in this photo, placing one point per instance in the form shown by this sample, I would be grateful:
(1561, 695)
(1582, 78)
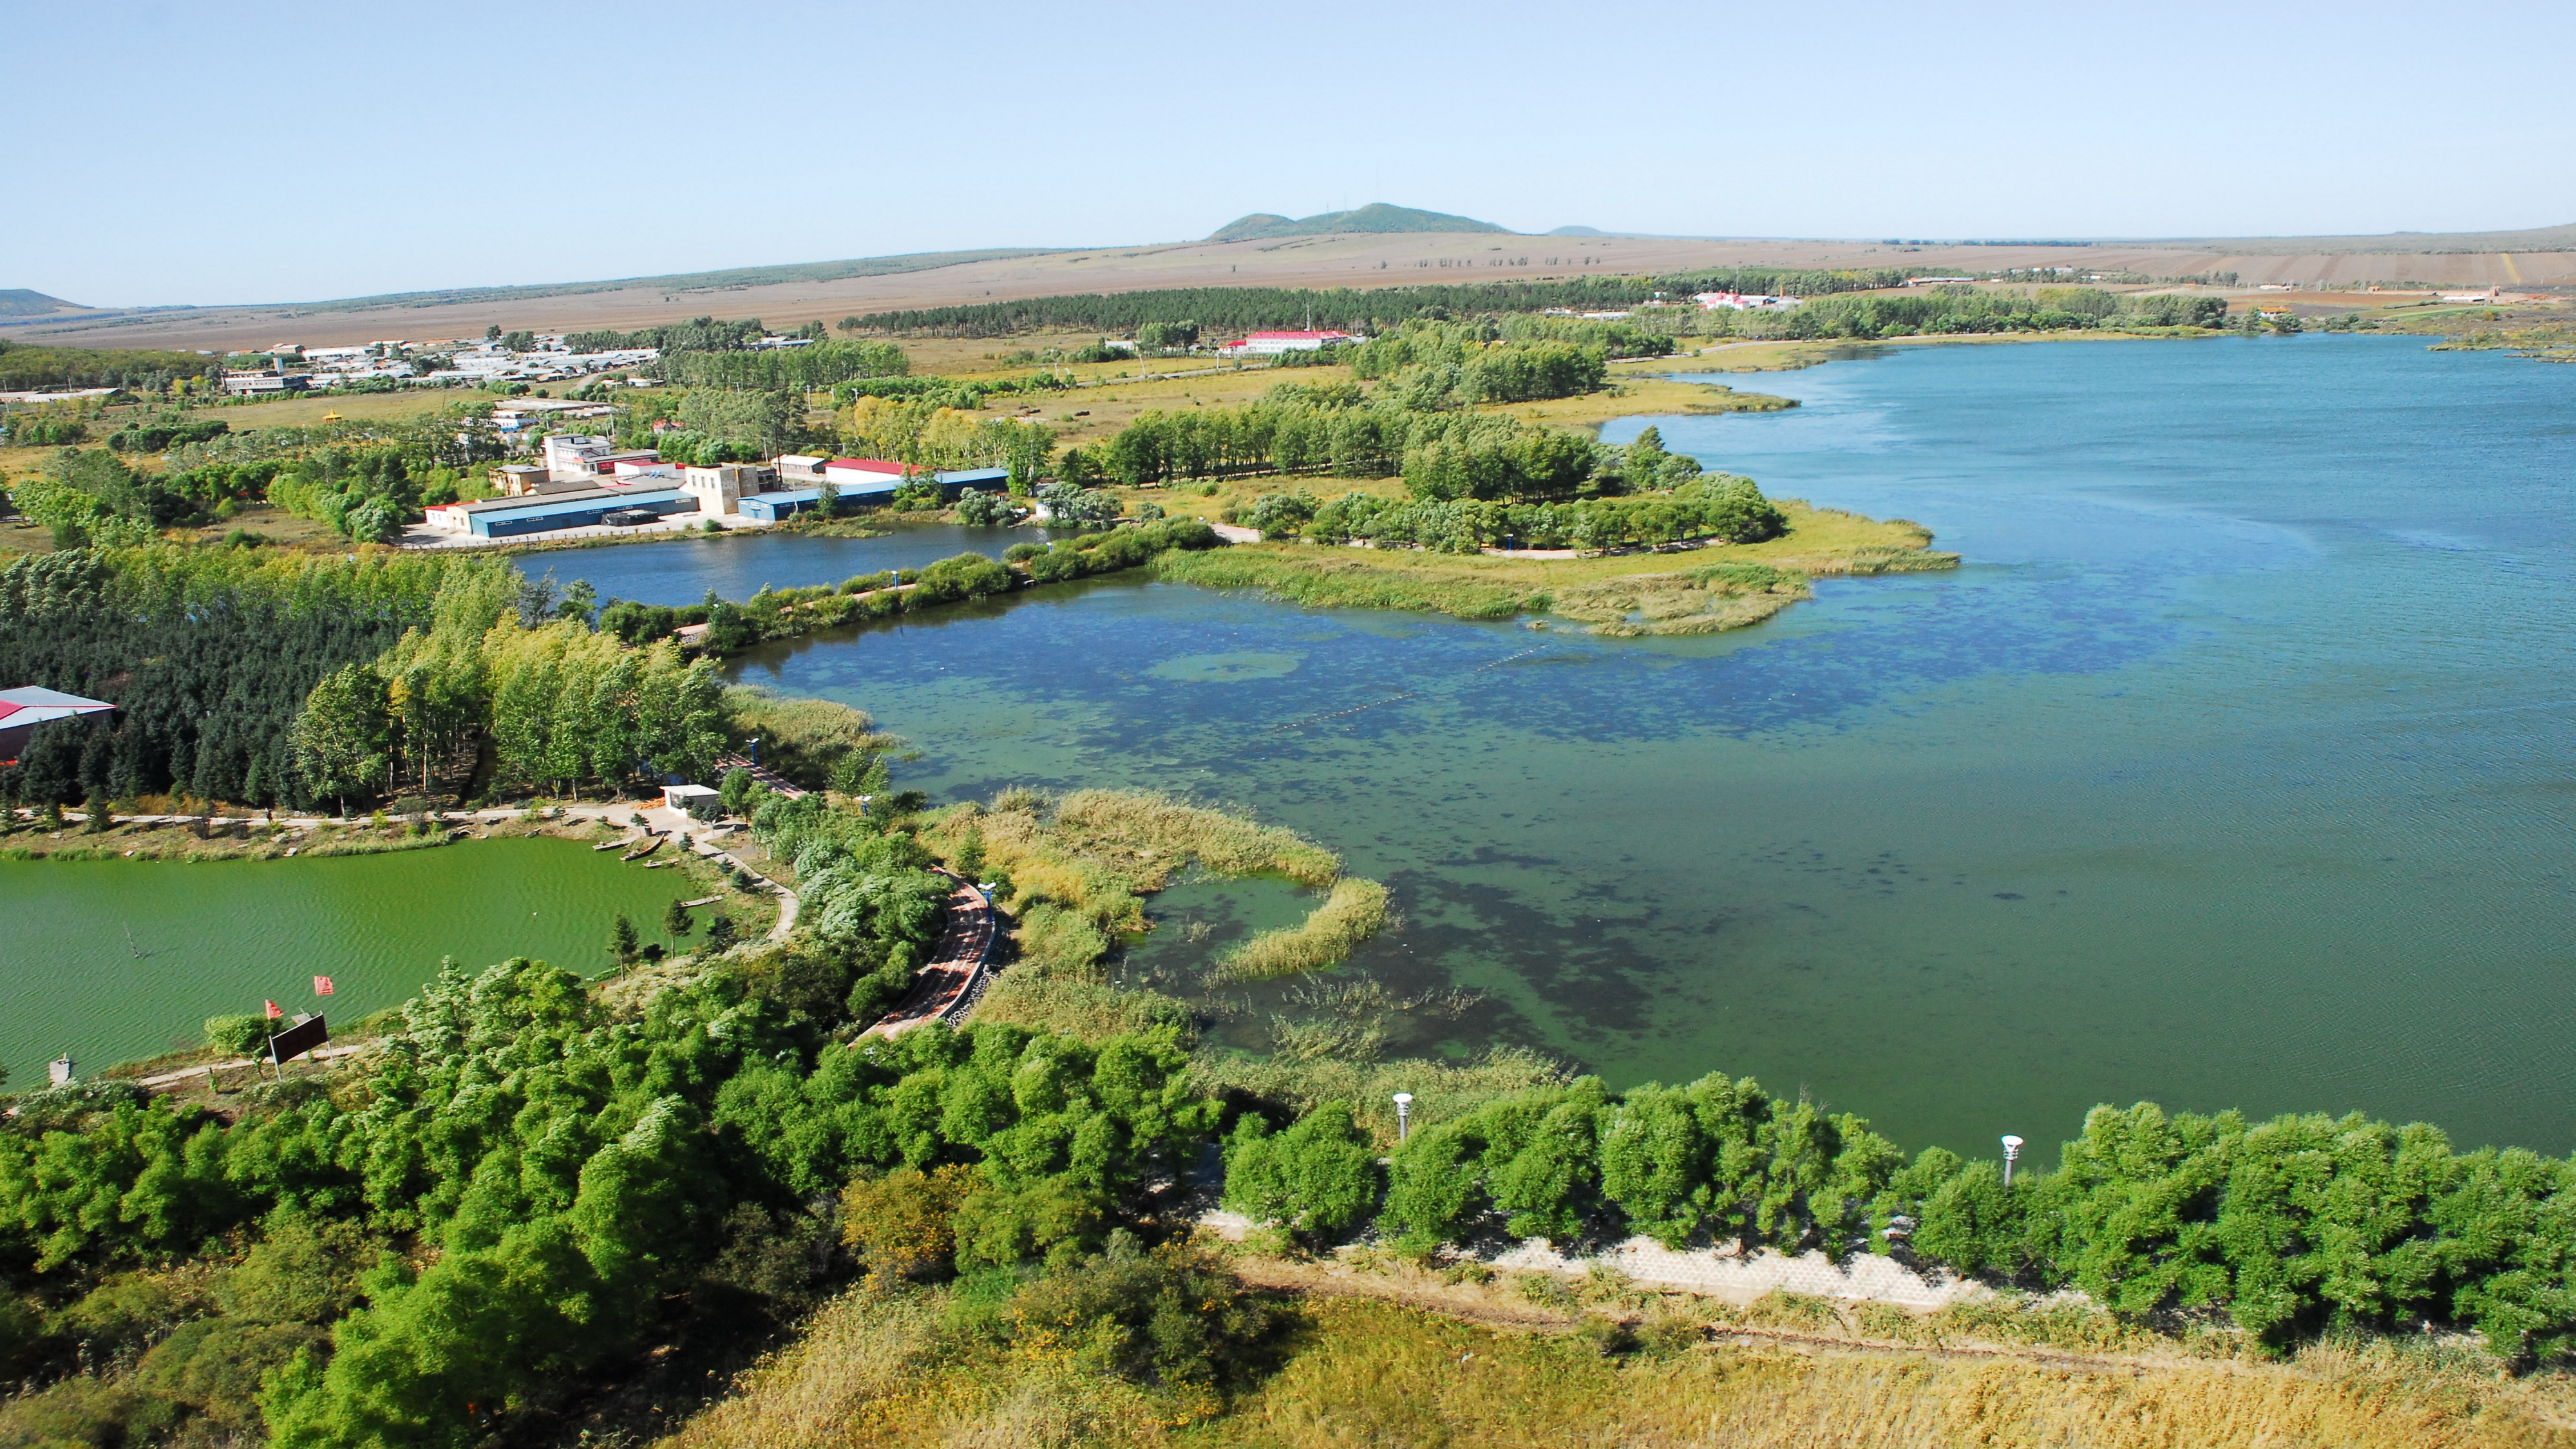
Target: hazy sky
(239, 153)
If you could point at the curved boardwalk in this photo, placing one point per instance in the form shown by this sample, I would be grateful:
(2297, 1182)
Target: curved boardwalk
(955, 977)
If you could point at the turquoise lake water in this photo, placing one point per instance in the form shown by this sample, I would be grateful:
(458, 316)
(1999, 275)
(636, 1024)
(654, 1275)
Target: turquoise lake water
(2233, 770)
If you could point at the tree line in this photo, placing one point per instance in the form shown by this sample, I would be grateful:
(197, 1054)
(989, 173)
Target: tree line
(2295, 1226)
(209, 655)
(1950, 310)
(31, 369)
(509, 690)
(1246, 309)
(799, 368)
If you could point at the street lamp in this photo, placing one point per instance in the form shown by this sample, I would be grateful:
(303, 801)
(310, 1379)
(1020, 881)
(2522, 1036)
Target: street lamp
(2012, 1150)
(1403, 1116)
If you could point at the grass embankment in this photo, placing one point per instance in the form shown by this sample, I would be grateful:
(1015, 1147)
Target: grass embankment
(1720, 587)
(1788, 1374)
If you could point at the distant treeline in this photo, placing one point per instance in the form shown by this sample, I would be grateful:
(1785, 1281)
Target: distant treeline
(1950, 310)
(818, 366)
(1244, 309)
(26, 369)
(698, 334)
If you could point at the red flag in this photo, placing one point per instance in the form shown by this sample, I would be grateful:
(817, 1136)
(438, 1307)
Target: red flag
(275, 1011)
(321, 985)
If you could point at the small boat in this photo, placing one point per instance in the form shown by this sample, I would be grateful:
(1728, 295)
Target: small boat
(640, 854)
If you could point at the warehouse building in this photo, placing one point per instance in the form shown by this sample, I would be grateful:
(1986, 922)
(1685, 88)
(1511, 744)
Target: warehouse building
(511, 517)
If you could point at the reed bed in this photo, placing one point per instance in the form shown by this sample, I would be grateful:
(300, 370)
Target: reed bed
(1172, 830)
(1353, 912)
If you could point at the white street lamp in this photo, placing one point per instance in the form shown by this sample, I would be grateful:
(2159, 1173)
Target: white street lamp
(1403, 1116)
(2012, 1150)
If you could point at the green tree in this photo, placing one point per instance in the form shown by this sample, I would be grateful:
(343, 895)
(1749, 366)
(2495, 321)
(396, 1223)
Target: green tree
(721, 933)
(343, 737)
(622, 944)
(676, 920)
(1317, 1179)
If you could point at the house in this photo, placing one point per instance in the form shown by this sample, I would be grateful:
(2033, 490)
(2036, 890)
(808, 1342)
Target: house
(519, 480)
(1271, 344)
(721, 486)
(798, 468)
(577, 458)
(690, 799)
(22, 710)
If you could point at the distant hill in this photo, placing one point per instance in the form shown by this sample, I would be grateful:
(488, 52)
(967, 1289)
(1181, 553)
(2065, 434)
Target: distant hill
(1578, 231)
(1377, 216)
(19, 302)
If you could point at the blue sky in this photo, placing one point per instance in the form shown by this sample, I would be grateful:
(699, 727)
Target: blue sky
(261, 153)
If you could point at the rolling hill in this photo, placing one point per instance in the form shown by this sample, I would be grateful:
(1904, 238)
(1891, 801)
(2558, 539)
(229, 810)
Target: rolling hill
(1376, 217)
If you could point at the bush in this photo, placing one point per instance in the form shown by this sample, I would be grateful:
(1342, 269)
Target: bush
(241, 1034)
(964, 576)
(1173, 1316)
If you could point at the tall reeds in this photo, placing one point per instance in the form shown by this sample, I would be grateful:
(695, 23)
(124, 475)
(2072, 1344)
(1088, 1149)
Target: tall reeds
(1355, 911)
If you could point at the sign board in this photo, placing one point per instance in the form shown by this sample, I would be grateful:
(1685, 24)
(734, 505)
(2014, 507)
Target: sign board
(296, 1040)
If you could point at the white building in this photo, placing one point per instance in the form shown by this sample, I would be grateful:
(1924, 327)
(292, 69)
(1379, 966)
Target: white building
(721, 487)
(1271, 344)
(1743, 302)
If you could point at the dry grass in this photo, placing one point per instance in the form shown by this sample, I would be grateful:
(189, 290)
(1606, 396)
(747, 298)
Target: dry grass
(1380, 1374)
(1353, 912)
(871, 1371)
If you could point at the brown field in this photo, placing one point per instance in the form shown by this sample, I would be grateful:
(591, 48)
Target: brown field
(1328, 261)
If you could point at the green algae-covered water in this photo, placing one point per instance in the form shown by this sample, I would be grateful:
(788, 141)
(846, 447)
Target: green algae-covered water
(116, 959)
(2233, 770)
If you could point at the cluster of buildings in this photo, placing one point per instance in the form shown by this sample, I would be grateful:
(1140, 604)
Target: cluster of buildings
(293, 367)
(585, 481)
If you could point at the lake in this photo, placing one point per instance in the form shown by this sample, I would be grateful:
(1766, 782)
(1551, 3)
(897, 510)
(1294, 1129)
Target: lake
(2233, 770)
(116, 959)
(680, 571)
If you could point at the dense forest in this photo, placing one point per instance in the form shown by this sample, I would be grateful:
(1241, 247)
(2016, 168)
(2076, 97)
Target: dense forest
(208, 654)
(30, 369)
(1244, 309)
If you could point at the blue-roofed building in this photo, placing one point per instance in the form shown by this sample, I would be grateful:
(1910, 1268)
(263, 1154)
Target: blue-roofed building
(511, 517)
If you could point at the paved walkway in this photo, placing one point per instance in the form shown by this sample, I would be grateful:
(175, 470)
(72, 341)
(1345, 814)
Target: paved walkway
(959, 968)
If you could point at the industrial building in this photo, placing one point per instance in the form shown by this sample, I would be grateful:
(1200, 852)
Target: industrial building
(511, 517)
(859, 484)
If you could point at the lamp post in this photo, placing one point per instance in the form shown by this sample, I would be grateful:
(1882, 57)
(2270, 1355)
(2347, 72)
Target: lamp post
(1403, 1116)
(2012, 1150)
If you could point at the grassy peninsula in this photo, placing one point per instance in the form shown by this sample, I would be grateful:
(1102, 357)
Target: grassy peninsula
(1700, 591)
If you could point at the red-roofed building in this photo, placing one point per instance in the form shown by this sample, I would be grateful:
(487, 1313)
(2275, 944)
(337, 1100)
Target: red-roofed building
(22, 710)
(1271, 344)
(848, 473)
